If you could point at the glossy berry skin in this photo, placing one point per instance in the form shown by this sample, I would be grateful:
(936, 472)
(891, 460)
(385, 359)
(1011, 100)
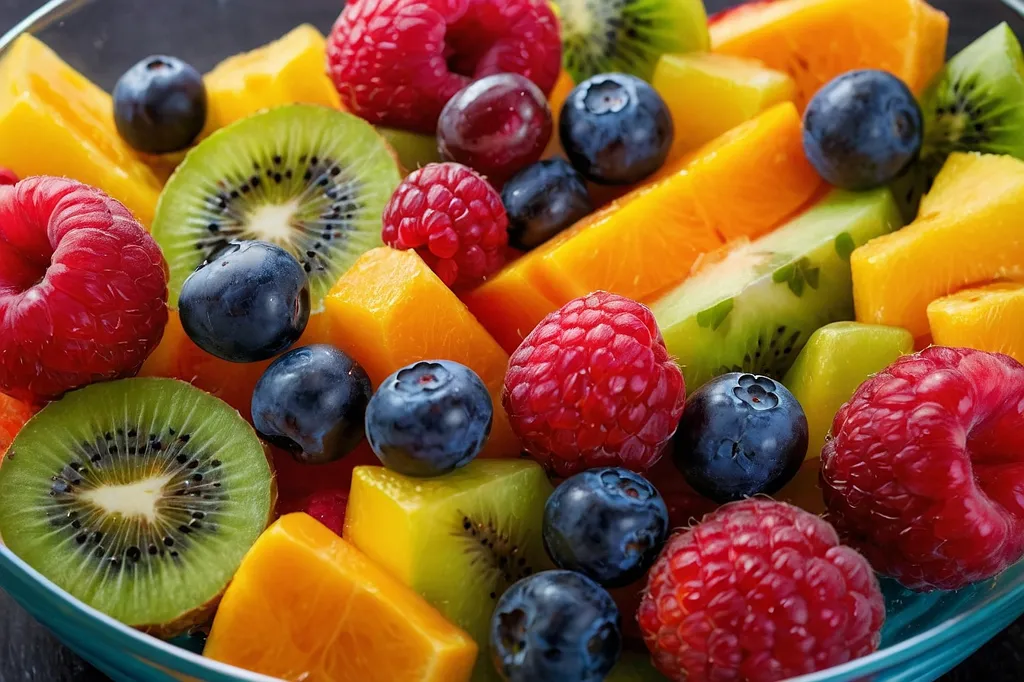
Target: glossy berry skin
(311, 402)
(759, 590)
(542, 200)
(454, 220)
(608, 524)
(555, 626)
(398, 62)
(160, 105)
(616, 129)
(429, 418)
(741, 435)
(939, 507)
(593, 385)
(497, 126)
(863, 129)
(7, 177)
(83, 289)
(248, 303)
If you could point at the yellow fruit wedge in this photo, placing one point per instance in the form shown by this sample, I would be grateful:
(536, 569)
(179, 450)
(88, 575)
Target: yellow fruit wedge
(989, 318)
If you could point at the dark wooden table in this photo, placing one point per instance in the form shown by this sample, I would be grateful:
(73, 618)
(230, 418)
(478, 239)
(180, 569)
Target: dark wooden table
(28, 653)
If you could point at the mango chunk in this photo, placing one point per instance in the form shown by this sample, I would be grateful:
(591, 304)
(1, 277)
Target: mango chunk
(988, 318)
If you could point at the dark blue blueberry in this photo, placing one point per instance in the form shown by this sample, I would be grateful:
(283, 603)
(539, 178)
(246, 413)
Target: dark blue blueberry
(608, 524)
(555, 626)
(160, 105)
(248, 303)
(615, 129)
(311, 402)
(863, 129)
(542, 200)
(429, 418)
(740, 435)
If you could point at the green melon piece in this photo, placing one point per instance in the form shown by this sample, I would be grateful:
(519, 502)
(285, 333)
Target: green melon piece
(414, 150)
(754, 310)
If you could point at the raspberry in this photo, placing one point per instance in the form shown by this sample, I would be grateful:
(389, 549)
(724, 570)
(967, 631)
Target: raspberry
(593, 386)
(83, 289)
(7, 177)
(326, 506)
(924, 471)
(398, 62)
(759, 590)
(454, 220)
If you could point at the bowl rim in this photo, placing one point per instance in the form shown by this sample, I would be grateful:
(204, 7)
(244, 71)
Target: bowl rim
(145, 646)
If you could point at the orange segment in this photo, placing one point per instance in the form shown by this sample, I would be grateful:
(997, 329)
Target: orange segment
(816, 40)
(13, 415)
(390, 310)
(306, 606)
(989, 318)
(741, 185)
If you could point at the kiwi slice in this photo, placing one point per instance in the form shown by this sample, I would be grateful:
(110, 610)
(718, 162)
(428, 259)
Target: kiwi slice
(628, 36)
(754, 310)
(974, 105)
(138, 497)
(460, 540)
(310, 179)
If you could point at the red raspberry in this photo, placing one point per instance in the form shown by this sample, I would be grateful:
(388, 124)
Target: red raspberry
(83, 289)
(327, 507)
(453, 218)
(759, 591)
(7, 177)
(593, 386)
(398, 62)
(925, 469)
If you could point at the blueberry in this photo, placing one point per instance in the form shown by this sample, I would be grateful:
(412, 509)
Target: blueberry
(555, 626)
(160, 105)
(429, 418)
(248, 303)
(863, 129)
(542, 200)
(608, 524)
(311, 402)
(615, 129)
(740, 435)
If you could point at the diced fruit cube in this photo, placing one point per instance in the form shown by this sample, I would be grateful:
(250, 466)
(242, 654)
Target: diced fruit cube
(710, 93)
(743, 184)
(816, 40)
(968, 232)
(13, 415)
(460, 540)
(414, 150)
(289, 70)
(988, 318)
(390, 310)
(306, 604)
(54, 121)
(754, 310)
(837, 359)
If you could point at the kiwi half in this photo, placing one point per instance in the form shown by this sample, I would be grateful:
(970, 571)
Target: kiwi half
(754, 310)
(310, 179)
(628, 36)
(976, 104)
(138, 497)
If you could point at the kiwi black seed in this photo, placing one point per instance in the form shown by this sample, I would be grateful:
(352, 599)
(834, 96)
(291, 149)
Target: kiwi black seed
(972, 106)
(310, 179)
(501, 553)
(628, 36)
(138, 497)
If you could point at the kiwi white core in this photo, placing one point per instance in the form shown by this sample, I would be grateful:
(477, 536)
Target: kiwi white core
(130, 500)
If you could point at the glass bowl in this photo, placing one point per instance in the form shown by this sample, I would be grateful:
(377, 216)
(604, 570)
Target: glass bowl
(925, 635)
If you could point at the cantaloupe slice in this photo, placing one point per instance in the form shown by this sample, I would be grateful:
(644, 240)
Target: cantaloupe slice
(390, 310)
(55, 121)
(816, 40)
(987, 318)
(740, 186)
(970, 231)
(307, 605)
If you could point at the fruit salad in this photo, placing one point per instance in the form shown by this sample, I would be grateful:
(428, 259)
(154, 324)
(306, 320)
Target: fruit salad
(517, 341)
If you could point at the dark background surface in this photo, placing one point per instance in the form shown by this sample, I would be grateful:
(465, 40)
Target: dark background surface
(27, 652)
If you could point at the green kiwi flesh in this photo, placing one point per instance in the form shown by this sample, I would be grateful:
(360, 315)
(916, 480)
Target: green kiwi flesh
(628, 36)
(975, 104)
(310, 179)
(138, 497)
(754, 310)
